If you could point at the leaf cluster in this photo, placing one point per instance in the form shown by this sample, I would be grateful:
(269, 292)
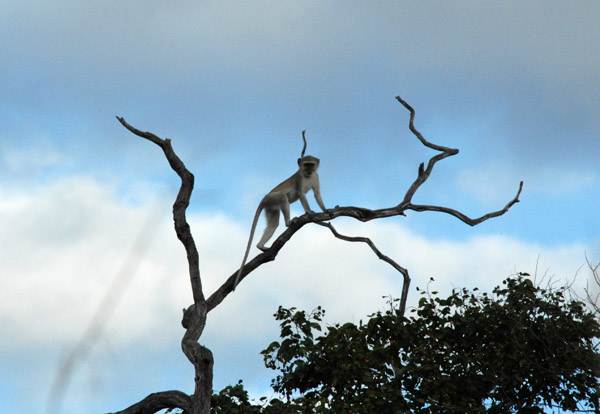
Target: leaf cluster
(234, 399)
(519, 349)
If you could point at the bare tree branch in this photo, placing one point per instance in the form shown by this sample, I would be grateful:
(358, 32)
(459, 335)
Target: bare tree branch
(423, 172)
(159, 401)
(381, 256)
(182, 201)
(411, 126)
(593, 299)
(363, 214)
(194, 319)
(463, 217)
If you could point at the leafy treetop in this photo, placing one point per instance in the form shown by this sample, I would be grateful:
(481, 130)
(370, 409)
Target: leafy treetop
(520, 349)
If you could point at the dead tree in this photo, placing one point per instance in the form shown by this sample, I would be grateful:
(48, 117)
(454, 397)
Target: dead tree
(194, 317)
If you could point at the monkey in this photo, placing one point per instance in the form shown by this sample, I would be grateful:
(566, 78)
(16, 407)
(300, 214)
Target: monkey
(280, 198)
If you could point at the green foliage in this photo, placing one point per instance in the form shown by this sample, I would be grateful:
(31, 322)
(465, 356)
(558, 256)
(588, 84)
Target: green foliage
(519, 349)
(234, 400)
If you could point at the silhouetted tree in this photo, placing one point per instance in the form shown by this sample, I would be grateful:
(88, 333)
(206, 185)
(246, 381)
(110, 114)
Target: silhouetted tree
(194, 318)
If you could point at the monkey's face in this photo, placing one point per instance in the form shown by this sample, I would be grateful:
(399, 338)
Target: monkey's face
(308, 168)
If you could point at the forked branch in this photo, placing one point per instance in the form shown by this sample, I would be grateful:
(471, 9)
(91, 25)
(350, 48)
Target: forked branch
(182, 201)
(381, 256)
(364, 214)
(195, 316)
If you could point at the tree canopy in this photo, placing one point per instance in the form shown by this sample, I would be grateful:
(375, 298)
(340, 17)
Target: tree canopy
(520, 348)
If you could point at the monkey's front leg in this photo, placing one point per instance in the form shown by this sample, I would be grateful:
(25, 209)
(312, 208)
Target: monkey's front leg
(285, 209)
(305, 204)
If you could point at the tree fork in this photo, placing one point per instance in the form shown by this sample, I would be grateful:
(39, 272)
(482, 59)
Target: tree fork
(194, 317)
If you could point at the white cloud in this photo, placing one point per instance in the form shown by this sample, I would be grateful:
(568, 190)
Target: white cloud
(65, 244)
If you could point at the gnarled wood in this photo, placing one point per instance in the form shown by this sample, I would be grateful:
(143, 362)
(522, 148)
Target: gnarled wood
(159, 401)
(363, 214)
(194, 318)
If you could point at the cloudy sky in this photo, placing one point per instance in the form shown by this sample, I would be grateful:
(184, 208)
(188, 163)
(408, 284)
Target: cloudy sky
(85, 205)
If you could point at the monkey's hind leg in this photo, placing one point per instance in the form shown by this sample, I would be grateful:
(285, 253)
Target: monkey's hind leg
(285, 209)
(272, 215)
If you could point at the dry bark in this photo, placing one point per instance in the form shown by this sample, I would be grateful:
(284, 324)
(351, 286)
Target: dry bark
(194, 318)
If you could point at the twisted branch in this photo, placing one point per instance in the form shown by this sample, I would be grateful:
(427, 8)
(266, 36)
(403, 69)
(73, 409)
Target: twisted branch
(159, 401)
(194, 318)
(381, 256)
(363, 214)
(182, 201)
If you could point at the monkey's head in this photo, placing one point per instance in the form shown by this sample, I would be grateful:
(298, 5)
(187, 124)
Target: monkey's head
(308, 164)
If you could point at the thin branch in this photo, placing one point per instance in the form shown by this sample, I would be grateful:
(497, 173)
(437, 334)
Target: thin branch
(159, 401)
(463, 217)
(363, 214)
(267, 256)
(297, 223)
(593, 300)
(358, 213)
(423, 172)
(411, 126)
(182, 201)
(194, 319)
(381, 256)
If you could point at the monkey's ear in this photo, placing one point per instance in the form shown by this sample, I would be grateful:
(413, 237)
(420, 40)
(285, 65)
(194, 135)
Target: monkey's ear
(299, 161)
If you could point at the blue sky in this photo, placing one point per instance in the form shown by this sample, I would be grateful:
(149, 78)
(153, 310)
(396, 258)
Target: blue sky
(514, 85)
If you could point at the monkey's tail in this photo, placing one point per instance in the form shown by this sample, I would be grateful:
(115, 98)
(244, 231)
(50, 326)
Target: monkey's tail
(303, 139)
(254, 222)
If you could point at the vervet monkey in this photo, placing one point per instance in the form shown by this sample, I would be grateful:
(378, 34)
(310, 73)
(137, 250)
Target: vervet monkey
(279, 199)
